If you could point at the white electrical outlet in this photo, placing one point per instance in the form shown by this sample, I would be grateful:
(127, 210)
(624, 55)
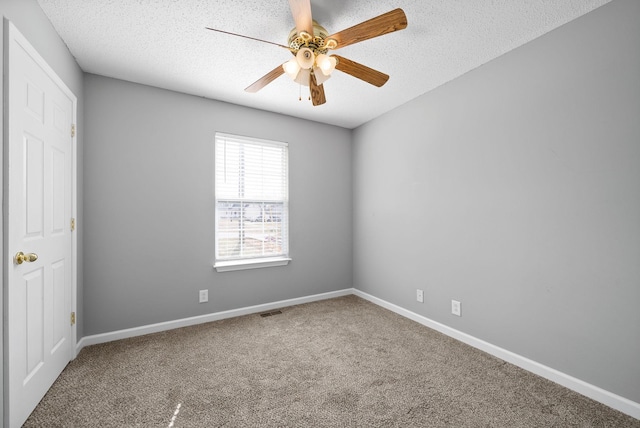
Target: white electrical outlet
(456, 308)
(204, 296)
(420, 296)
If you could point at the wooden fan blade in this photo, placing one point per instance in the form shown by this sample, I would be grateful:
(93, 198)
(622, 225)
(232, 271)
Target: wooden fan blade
(374, 27)
(360, 71)
(266, 79)
(317, 91)
(301, 11)
(247, 37)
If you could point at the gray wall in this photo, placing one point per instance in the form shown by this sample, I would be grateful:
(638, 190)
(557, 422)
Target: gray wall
(35, 26)
(149, 207)
(515, 190)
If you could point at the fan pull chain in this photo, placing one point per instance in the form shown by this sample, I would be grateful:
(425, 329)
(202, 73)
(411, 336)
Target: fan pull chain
(300, 93)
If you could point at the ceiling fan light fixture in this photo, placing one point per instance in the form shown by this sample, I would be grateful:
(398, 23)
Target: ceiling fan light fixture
(305, 58)
(303, 77)
(291, 67)
(326, 64)
(320, 76)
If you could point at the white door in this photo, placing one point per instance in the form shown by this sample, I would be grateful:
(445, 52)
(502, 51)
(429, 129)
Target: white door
(39, 196)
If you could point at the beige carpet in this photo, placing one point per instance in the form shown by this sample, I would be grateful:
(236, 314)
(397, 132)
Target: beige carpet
(337, 363)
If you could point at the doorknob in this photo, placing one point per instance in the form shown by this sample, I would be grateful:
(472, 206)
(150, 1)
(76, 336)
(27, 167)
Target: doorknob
(22, 257)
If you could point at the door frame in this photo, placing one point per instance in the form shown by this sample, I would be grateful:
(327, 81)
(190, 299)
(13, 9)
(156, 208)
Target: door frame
(11, 34)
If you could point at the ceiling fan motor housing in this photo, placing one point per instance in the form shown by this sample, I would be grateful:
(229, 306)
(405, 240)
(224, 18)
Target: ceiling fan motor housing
(315, 42)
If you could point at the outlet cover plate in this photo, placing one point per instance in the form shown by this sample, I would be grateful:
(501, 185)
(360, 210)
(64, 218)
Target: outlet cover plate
(204, 296)
(420, 296)
(456, 308)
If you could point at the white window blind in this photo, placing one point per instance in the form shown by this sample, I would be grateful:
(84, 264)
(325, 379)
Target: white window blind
(252, 199)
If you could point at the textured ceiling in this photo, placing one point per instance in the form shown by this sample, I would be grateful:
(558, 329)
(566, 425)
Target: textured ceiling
(164, 43)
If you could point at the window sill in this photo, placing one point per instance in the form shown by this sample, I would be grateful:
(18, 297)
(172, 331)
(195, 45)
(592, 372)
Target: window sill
(250, 264)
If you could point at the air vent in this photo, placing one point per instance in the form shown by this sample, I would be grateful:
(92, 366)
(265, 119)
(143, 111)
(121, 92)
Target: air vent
(268, 314)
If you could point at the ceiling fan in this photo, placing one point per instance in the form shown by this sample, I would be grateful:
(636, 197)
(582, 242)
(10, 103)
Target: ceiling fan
(310, 44)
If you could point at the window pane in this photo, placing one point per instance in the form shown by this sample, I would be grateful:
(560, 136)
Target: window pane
(249, 230)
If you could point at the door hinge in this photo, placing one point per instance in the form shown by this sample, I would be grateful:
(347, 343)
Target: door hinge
(73, 318)
(73, 130)
(73, 224)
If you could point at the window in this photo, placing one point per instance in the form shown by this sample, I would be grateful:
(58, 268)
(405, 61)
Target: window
(252, 203)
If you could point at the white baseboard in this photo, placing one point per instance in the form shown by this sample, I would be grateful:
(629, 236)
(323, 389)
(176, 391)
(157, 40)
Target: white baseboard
(185, 322)
(607, 398)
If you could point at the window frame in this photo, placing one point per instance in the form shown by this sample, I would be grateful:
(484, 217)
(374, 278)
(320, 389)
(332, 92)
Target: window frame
(242, 263)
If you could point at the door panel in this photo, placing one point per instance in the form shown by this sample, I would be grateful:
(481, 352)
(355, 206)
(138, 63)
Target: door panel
(58, 169)
(34, 186)
(59, 302)
(34, 320)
